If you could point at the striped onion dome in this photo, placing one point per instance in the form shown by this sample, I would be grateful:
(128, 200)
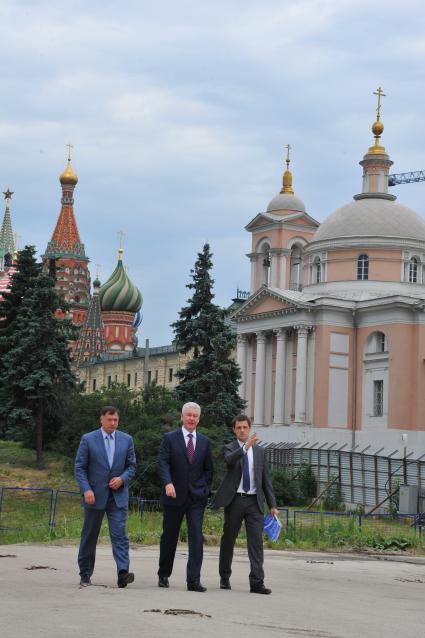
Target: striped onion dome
(119, 293)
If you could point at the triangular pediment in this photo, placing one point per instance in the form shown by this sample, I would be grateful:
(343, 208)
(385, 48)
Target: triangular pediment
(267, 301)
(296, 217)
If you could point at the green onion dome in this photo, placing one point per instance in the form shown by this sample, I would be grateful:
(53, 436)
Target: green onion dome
(119, 293)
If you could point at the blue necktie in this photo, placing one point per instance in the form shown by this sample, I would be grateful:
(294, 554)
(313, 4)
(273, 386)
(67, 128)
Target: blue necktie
(246, 483)
(110, 451)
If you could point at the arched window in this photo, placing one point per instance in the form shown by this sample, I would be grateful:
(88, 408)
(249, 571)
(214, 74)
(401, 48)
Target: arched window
(295, 282)
(265, 257)
(316, 274)
(363, 267)
(413, 270)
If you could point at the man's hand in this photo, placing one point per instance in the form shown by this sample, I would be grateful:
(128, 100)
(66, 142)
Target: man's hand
(116, 482)
(274, 511)
(253, 438)
(89, 497)
(170, 490)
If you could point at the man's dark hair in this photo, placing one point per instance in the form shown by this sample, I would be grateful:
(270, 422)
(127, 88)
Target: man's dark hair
(241, 417)
(109, 409)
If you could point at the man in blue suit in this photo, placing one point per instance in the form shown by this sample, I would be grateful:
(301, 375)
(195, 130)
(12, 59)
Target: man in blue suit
(186, 469)
(104, 465)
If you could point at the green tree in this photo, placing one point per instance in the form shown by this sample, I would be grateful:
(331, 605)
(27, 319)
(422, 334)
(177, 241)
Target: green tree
(36, 373)
(22, 281)
(212, 376)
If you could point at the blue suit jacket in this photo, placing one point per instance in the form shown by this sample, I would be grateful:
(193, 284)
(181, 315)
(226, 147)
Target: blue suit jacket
(92, 469)
(192, 479)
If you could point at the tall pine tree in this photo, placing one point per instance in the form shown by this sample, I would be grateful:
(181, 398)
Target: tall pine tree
(35, 358)
(212, 376)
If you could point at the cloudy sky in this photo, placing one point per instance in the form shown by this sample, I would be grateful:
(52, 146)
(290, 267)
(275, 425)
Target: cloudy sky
(179, 112)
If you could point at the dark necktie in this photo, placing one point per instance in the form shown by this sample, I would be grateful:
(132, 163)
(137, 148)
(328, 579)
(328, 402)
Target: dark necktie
(190, 448)
(246, 483)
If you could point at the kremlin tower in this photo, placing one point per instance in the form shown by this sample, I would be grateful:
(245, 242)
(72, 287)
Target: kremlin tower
(120, 302)
(7, 247)
(66, 252)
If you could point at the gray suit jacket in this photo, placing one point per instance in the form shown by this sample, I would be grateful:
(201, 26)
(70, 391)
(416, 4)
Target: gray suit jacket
(233, 455)
(92, 469)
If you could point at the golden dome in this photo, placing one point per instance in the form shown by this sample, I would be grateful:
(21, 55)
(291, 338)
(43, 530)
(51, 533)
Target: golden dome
(68, 176)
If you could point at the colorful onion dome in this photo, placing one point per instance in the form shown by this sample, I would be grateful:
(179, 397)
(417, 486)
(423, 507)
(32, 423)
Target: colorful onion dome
(68, 176)
(119, 293)
(96, 283)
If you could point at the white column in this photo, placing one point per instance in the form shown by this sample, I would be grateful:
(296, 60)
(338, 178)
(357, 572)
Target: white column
(260, 376)
(253, 259)
(301, 376)
(241, 357)
(274, 259)
(278, 418)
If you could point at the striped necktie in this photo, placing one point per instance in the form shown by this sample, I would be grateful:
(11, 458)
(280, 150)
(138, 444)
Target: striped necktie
(190, 448)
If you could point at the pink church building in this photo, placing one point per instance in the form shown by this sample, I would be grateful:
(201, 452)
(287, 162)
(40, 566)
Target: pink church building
(331, 341)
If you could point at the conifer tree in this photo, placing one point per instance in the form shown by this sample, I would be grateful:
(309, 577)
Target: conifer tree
(35, 359)
(211, 377)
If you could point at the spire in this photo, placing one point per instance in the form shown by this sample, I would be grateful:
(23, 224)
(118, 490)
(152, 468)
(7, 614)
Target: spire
(287, 175)
(7, 244)
(91, 340)
(376, 163)
(66, 240)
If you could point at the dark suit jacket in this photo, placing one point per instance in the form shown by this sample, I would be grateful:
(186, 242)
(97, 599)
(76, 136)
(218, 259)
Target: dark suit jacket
(192, 479)
(92, 469)
(233, 455)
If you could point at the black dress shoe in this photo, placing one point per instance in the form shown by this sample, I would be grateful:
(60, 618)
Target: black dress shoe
(124, 578)
(260, 589)
(196, 587)
(225, 583)
(163, 581)
(85, 581)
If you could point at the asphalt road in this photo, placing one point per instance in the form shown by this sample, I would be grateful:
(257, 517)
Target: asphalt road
(314, 595)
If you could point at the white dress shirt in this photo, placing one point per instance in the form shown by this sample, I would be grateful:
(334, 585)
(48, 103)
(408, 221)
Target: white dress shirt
(186, 436)
(250, 456)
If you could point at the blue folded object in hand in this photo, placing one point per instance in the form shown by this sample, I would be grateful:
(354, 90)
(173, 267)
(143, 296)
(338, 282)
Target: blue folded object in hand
(272, 526)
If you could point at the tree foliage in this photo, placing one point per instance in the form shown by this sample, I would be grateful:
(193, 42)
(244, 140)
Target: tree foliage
(211, 377)
(36, 371)
(145, 414)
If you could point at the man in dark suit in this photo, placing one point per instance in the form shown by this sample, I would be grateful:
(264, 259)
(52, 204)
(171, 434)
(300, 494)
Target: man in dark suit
(242, 493)
(104, 465)
(186, 470)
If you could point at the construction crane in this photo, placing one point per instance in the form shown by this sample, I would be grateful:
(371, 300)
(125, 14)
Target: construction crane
(406, 178)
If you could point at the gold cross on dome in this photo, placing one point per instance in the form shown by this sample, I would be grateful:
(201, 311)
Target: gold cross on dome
(98, 267)
(289, 148)
(379, 92)
(120, 233)
(69, 146)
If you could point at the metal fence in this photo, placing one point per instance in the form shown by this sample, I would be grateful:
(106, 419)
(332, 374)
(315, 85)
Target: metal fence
(364, 479)
(24, 507)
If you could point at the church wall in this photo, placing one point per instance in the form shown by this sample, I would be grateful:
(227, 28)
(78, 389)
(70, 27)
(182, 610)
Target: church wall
(333, 376)
(419, 377)
(401, 377)
(384, 265)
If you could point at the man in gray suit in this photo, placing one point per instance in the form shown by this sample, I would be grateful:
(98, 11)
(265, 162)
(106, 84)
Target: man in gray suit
(104, 465)
(245, 487)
